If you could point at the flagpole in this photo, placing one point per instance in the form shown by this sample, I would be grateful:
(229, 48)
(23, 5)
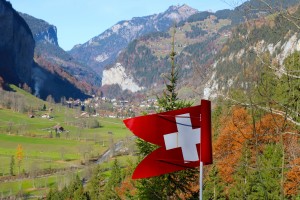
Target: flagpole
(200, 175)
(201, 180)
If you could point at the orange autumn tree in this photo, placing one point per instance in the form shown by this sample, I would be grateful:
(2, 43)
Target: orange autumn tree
(19, 156)
(270, 128)
(292, 184)
(236, 129)
(127, 189)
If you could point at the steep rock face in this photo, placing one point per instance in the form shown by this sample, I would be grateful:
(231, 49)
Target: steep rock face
(117, 75)
(41, 30)
(47, 47)
(104, 48)
(16, 46)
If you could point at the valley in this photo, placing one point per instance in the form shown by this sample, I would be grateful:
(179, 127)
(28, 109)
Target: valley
(62, 134)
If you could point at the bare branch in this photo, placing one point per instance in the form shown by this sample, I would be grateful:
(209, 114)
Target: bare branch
(271, 110)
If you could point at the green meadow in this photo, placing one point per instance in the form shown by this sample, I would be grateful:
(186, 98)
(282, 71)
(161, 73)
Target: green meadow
(64, 155)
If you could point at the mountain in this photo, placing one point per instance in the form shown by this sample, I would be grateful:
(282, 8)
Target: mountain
(142, 65)
(199, 41)
(104, 48)
(45, 36)
(16, 46)
(252, 45)
(18, 66)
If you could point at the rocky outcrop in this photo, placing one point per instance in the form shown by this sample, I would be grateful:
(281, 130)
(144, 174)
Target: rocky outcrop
(41, 30)
(117, 75)
(16, 46)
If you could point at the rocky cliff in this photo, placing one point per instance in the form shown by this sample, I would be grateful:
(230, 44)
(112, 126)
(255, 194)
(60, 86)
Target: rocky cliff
(41, 30)
(45, 36)
(16, 46)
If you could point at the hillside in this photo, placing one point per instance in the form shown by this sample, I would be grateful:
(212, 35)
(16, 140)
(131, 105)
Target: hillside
(272, 36)
(49, 157)
(199, 39)
(146, 59)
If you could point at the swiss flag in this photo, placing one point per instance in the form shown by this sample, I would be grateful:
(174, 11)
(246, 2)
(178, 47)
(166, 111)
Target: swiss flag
(183, 137)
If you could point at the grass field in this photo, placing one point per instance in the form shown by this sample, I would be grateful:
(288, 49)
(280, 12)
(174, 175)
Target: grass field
(42, 150)
(40, 186)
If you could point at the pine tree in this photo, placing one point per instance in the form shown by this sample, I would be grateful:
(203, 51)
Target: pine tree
(113, 181)
(12, 165)
(174, 184)
(53, 194)
(96, 183)
(213, 187)
(76, 190)
(243, 178)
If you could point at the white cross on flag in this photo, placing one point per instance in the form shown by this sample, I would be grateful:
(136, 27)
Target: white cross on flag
(183, 137)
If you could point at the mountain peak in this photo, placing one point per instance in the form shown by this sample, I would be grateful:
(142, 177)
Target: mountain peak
(103, 49)
(179, 12)
(184, 8)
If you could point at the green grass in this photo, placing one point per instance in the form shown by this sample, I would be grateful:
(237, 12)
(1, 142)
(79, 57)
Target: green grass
(37, 186)
(40, 152)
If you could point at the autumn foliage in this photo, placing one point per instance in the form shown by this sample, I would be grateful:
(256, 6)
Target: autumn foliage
(235, 131)
(292, 183)
(239, 130)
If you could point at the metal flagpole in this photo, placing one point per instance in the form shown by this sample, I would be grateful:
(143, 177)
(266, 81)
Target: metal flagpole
(201, 180)
(200, 170)
(201, 164)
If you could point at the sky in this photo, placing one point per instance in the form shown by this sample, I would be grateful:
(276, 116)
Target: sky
(77, 21)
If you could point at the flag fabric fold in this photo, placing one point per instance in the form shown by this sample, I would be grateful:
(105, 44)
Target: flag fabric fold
(183, 138)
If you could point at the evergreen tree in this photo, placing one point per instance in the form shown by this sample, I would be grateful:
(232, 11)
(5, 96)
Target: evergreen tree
(214, 188)
(268, 176)
(12, 165)
(96, 183)
(53, 194)
(64, 193)
(173, 184)
(252, 182)
(244, 179)
(76, 191)
(113, 181)
(169, 100)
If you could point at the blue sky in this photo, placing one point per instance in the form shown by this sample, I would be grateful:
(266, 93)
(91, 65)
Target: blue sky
(78, 21)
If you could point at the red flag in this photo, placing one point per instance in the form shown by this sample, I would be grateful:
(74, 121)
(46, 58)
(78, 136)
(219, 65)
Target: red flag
(183, 137)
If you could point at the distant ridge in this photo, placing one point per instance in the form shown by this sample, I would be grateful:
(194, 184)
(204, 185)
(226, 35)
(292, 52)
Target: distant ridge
(103, 49)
